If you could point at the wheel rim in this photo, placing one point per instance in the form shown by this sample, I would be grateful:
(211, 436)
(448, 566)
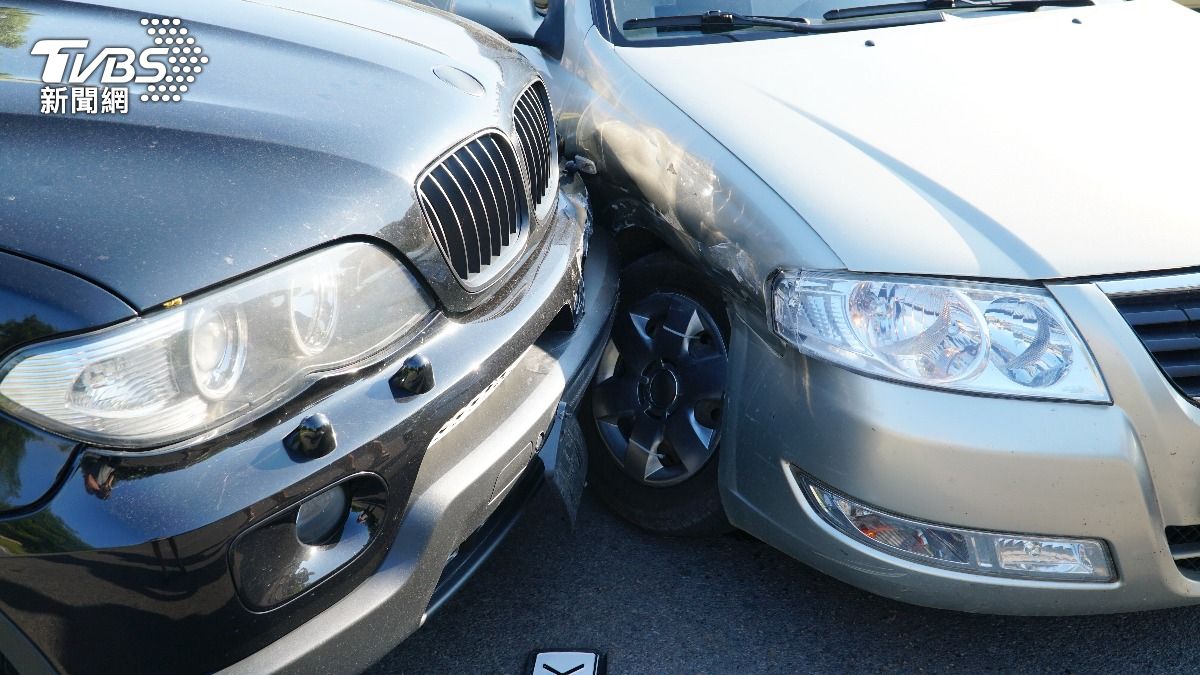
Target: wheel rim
(660, 389)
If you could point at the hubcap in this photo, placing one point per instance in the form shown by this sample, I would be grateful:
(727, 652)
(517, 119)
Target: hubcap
(660, 389)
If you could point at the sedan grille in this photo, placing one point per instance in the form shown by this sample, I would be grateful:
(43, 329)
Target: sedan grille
(474, 200)
(534, 123)
(1168, 323)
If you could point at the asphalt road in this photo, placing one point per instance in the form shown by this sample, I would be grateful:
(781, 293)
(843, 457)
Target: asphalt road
(734, 605)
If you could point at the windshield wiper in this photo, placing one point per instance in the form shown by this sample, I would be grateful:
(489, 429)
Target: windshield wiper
(923, 5)
(718, 21)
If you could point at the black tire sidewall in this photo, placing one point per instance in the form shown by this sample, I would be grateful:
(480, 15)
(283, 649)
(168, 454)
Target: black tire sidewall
(693, 506)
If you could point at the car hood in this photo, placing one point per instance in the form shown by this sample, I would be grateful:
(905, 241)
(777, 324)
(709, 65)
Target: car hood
(1040, 145)
(309, 123)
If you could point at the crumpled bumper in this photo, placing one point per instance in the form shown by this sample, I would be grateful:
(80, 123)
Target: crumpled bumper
(127, 565)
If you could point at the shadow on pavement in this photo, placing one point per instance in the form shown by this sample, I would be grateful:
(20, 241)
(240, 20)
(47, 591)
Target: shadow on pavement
(733, 604)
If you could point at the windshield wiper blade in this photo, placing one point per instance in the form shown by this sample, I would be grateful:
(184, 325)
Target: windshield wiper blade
(923, 5)
(718, 21)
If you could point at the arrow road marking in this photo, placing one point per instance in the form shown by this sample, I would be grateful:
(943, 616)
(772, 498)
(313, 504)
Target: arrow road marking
(563, 672)
(567, 662)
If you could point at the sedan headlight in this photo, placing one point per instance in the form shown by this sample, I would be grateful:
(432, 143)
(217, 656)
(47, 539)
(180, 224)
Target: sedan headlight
(983, 338)
(226, 354)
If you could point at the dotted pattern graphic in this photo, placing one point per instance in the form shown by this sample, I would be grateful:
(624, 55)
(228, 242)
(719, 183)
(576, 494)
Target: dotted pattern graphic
(185, 61)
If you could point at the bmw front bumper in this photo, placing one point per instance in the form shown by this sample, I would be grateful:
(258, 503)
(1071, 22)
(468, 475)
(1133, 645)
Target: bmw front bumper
(172, 562)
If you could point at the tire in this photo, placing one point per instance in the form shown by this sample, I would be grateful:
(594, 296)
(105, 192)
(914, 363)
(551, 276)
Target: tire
(663, 480)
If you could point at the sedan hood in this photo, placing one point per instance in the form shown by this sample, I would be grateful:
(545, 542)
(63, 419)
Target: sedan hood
(309, 123)
(1040, 145)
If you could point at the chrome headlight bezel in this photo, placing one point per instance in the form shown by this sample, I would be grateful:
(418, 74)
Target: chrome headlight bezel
(971, 344)
(218, 359)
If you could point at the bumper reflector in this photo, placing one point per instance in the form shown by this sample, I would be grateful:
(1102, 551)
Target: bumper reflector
(993, 553)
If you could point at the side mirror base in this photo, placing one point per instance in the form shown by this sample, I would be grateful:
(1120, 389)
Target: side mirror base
(550, 37)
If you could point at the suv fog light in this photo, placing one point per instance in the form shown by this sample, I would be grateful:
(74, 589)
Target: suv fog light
(993, 553)
(318, 519)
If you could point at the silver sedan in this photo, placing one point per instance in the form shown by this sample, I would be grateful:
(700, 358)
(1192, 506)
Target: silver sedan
(908, 287)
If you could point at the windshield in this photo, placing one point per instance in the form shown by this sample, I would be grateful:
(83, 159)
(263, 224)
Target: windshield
(624, 10)
(747, 19)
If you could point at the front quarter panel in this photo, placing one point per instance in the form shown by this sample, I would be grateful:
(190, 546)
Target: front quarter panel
(666, 172)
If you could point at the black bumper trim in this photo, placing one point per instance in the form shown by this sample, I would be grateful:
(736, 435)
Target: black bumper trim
(479, 546)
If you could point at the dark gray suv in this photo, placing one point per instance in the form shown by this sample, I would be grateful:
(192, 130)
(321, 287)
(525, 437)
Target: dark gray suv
(285, 344)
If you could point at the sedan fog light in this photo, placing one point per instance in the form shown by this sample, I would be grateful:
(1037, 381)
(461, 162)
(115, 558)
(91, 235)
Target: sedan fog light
(993, 553)
(319, 518)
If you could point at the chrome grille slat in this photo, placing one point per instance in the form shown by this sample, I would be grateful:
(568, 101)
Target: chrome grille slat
(538, 168)
(533, 121)
(475, 203)
(507, 190)
(543, 111)
(529, 148)
(458, 255)
(439, 230)
(478, 211)
(468, 226)
(543, 148)
(491, 207)
(510, 175)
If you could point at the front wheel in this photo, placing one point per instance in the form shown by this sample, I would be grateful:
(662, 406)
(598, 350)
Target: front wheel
(658, 400)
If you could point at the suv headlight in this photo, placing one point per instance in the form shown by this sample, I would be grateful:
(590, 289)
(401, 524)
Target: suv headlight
(226, 354)
(982, 338)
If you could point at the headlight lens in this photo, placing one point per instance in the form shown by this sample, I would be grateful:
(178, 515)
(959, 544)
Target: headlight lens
(223, 355)
(314, 310)
(983, 338)
(218, 350)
